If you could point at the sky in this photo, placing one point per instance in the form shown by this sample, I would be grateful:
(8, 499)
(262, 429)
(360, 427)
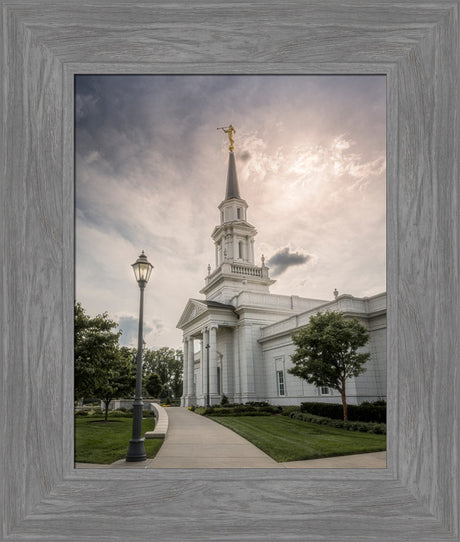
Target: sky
(151, 169)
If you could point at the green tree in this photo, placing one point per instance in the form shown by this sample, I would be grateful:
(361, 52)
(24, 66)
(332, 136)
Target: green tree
(96, 345)
(102, 368)
(167, 363)
(326, 352)
(119, 379)
(153, 385)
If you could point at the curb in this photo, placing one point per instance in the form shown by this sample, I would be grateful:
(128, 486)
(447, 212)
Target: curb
(161, 422)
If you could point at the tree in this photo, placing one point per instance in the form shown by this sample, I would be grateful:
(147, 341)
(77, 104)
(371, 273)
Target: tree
(153, 385)
(102, 368)
(167, 363)
(119, 379)
(326, 352)
(96, 345)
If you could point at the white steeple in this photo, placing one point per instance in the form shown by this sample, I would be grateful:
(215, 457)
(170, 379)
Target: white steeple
(234, 248)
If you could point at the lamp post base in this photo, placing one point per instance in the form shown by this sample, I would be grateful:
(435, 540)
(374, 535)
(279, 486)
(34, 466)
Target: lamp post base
(136, 451)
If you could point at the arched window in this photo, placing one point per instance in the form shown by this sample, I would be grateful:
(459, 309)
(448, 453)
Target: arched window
(238, 212)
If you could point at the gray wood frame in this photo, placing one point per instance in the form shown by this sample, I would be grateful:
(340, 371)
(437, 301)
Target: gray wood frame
(45, 42)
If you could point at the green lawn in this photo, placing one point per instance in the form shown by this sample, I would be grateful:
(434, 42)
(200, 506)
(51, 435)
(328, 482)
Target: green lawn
(285, 439)
(97, 441)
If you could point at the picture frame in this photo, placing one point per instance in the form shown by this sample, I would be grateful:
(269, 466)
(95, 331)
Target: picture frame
(47, 42)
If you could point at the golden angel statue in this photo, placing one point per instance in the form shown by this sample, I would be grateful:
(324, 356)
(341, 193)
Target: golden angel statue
(230, 131)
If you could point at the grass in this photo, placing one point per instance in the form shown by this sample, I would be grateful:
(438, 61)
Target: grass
(285, 439)
(97, 441)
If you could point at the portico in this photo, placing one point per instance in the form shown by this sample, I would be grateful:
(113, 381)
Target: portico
(209, 330)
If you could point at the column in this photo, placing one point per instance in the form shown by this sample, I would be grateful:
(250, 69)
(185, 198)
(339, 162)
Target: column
(205, 372)
(226, 367)
(246, 364)
(213, 364)
(185, 374)
(236, 366)
(199, 380)
(252, 251)
(190, 370)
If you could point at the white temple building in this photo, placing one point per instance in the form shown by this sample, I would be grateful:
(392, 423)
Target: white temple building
(244, 332)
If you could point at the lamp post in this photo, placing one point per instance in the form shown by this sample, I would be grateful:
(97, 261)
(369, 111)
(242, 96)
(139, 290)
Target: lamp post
(136, 451)
(207, 376)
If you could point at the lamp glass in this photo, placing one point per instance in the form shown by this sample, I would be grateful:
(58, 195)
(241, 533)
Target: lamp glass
(142, 268)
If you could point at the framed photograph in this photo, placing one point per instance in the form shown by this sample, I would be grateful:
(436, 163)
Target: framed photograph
(415, 46)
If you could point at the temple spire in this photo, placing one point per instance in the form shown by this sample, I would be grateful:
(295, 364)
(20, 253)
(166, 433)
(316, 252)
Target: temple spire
(232, 190)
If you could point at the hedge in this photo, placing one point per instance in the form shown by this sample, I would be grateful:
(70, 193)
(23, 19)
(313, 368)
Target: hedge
(366, 412)
(248, 409)
(364, 427)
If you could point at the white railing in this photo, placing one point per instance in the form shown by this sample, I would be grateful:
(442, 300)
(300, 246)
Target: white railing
(240, 269)
(377, 302)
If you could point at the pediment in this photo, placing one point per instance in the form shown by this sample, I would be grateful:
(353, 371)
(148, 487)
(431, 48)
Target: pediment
(193, 309)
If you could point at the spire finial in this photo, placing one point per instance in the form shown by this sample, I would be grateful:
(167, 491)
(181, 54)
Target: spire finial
(230, 131)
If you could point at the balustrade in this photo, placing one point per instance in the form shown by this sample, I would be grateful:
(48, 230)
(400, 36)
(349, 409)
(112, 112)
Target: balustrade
(239, 269)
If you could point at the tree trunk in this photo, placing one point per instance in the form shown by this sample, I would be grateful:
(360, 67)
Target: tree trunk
(106, 410)
(344, 402)
(345, 409)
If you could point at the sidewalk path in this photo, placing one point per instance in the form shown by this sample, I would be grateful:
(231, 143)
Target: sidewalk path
(194, 441)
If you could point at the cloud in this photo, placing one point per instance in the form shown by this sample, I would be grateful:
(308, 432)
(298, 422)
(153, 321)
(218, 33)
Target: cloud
(283, 259)
(151, 170)
(129, 325)
(244, 156)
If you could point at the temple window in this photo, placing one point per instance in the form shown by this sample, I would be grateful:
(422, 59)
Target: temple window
(280, 383)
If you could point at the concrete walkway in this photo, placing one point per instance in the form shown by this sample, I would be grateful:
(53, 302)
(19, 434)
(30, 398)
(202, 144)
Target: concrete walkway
(194, 441)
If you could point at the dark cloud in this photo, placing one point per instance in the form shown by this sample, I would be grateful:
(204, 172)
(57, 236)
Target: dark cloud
(123, 118)
(244, 156)
(284, 258)
(129, 326)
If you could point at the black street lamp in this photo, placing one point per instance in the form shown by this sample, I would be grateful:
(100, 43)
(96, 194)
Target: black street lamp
(136, 451)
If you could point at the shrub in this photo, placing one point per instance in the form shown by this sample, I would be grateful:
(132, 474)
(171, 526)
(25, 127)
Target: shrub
(81, 413)
(120, 414)
(377, 428)
(224, 401)
(248, 409)
(366, 412)
(380, 402)
(95, 412)
(286, 410)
